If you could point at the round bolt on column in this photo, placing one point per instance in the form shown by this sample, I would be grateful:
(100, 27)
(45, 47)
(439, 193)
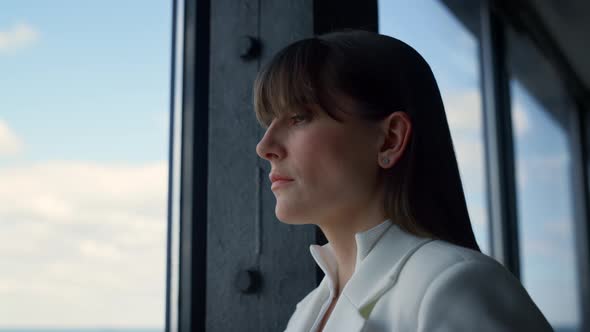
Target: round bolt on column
(248, 281)
(248, 47)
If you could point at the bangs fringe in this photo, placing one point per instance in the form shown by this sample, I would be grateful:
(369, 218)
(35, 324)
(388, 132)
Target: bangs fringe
(290, 80)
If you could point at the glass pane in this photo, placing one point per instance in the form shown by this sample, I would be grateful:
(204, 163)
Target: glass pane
(452, 52)
(543, 176)
(84, 107)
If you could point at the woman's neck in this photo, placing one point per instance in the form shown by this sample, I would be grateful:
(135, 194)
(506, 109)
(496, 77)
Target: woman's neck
(344, 247)
(341, 236)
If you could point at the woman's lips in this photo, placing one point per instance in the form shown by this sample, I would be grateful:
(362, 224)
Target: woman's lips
(279, 184)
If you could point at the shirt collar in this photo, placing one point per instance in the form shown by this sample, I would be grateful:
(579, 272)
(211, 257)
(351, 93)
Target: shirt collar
(365, 241)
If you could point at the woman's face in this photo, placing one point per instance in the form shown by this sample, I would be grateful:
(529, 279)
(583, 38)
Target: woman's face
(333, 166)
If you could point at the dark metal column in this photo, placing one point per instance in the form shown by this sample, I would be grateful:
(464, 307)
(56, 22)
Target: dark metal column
(580, 145)
(257, 267)
(498, 142)
(330, 15)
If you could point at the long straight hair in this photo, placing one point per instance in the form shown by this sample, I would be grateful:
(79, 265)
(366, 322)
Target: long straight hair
(380, 75)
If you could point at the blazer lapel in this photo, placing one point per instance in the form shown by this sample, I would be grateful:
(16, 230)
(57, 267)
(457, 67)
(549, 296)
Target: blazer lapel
(308, 309)
(376, 274)
(345, 317)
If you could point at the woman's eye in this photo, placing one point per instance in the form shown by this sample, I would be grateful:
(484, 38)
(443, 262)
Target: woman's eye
(298, 118)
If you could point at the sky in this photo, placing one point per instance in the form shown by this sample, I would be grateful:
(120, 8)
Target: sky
(84, 106)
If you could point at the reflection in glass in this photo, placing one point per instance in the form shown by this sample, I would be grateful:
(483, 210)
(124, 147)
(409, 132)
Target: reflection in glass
(543, 177)
(452, 53)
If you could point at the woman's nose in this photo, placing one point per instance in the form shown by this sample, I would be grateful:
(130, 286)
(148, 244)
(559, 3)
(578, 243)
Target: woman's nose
(268, 148)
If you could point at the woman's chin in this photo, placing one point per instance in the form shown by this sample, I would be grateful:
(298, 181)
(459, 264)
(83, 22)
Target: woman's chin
(290, 218)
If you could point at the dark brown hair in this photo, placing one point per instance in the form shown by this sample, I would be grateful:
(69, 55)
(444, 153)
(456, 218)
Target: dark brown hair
(380, 75)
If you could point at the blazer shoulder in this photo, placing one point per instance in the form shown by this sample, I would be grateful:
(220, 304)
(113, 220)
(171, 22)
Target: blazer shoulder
(430, 261)
(436, 256)
(446, 254)
(480, 288)
(485, 297)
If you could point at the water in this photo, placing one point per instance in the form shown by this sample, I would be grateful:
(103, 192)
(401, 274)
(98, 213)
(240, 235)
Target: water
(81, 329)
(72, 329)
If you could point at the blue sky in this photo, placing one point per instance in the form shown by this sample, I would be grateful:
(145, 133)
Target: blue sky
(93, 83)
(83, 148)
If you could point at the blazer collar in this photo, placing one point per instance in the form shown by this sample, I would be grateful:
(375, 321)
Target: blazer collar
(326, 260)
(379, 270)
(373, 276)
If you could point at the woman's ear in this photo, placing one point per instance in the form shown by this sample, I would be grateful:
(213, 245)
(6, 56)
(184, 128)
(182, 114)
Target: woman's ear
(396, 130)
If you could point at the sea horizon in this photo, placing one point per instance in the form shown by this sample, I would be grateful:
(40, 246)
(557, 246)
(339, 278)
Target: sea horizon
(151, 329)
(81, 329)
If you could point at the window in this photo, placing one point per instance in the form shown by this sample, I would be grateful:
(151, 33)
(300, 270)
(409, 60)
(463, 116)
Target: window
(84, 107)
(451, 50)
(543, 177)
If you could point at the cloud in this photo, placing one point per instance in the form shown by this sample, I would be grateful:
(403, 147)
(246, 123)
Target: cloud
(17, 37)
(536, 167)
(470, 154)
(558, 299)
(10, 143)
(545, 249)
(464, 115)
(478, 216)
(561, 229)
(100, 250)
(552, 239)
(77, 192)
(464, 110)
(548, 259)
(74, 231)
(520, 120)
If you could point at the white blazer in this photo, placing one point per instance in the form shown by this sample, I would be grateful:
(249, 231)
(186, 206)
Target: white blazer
(406, 283)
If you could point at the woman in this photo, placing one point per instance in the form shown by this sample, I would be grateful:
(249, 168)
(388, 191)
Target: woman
(359, 145)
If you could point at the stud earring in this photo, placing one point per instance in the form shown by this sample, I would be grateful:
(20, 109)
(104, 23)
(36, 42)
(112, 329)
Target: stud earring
(385, 161)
